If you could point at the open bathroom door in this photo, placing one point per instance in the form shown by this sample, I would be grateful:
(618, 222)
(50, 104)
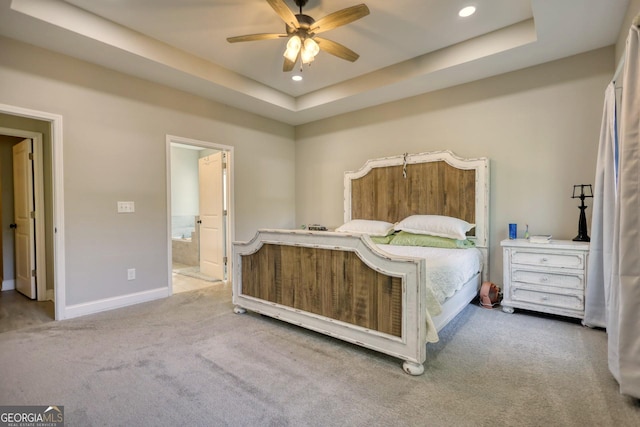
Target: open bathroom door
(210, 170)
(24, 218)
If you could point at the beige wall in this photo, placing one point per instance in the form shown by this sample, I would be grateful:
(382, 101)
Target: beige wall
(538, 126)
(114, 130)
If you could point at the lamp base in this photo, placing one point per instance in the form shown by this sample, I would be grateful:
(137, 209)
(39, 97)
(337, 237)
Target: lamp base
(582, 226)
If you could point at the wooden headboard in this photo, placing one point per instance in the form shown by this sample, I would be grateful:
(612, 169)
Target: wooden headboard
(437, 183)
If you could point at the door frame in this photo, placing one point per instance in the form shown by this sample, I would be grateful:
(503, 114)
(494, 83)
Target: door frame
(38, 198)
(229, 221)
(57, 188)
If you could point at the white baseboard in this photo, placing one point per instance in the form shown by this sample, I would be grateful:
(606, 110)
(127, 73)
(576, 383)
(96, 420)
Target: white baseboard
(8, 285)
(92, 307)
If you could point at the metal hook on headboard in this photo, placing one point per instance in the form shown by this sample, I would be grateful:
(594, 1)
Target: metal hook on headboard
(404, 166)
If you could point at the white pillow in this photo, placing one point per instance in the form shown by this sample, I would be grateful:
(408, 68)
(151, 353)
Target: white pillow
(367, 226)
(435, 225)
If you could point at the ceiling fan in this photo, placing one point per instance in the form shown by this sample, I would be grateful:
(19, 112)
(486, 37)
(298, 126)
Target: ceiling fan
(302, 29)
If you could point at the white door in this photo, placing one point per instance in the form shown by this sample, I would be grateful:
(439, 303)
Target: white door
(24, 224)
(211, 215)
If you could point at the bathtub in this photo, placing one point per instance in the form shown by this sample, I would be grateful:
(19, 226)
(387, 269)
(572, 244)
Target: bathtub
(186, 250)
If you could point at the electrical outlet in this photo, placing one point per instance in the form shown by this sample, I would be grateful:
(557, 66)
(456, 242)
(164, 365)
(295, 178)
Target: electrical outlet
(131, 274)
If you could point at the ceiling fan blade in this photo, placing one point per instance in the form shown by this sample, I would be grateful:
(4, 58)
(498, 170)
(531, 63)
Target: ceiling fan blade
(336, 49)
(254, 37)
(284, 12)
(339, 18)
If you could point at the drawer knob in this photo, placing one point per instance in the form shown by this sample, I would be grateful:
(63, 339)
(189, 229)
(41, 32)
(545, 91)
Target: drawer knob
(544, 279)
(544, 298)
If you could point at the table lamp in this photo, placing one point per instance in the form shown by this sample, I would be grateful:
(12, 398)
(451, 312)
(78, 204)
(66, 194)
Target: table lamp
(584, 191)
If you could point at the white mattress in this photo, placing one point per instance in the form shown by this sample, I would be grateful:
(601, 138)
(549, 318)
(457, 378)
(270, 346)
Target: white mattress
(447, 269)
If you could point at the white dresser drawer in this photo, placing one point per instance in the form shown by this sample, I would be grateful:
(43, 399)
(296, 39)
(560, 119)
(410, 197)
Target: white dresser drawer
(548, 278)
(567, 301)
(548, 259)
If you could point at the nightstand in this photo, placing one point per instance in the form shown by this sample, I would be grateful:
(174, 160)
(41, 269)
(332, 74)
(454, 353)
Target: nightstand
(545, 277)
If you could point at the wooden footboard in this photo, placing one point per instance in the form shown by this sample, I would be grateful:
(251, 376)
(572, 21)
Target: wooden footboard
(332, 283)
(337, 284)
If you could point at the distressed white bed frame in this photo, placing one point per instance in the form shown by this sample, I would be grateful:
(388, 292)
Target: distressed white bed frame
(411, 345)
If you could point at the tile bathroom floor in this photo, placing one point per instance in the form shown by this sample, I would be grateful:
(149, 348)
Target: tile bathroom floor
(182, 283)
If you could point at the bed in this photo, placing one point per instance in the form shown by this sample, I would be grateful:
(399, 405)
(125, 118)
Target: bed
(377, 295)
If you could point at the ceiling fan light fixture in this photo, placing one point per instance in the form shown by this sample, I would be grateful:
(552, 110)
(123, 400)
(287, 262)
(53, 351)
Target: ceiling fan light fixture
(311, 46)
(293, 47)
(306, 57)
(309, 51)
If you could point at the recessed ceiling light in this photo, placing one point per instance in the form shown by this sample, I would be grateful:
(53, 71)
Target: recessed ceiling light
(467, 11)
(296, 78)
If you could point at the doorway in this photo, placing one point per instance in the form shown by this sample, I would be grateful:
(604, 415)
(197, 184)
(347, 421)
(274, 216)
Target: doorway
(26, 216)
(199, 176)
(22, 122)
(24, 300)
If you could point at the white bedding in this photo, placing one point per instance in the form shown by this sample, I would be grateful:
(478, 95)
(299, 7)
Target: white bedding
(447, 270)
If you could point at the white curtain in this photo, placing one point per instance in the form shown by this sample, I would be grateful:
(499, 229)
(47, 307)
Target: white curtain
(623, 319)
(602, 217)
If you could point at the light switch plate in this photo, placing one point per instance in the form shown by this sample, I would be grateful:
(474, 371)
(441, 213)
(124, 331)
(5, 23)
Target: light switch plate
(126, 207)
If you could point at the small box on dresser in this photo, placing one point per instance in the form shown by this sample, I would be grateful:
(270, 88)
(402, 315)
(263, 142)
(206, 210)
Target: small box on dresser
(545, 277)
